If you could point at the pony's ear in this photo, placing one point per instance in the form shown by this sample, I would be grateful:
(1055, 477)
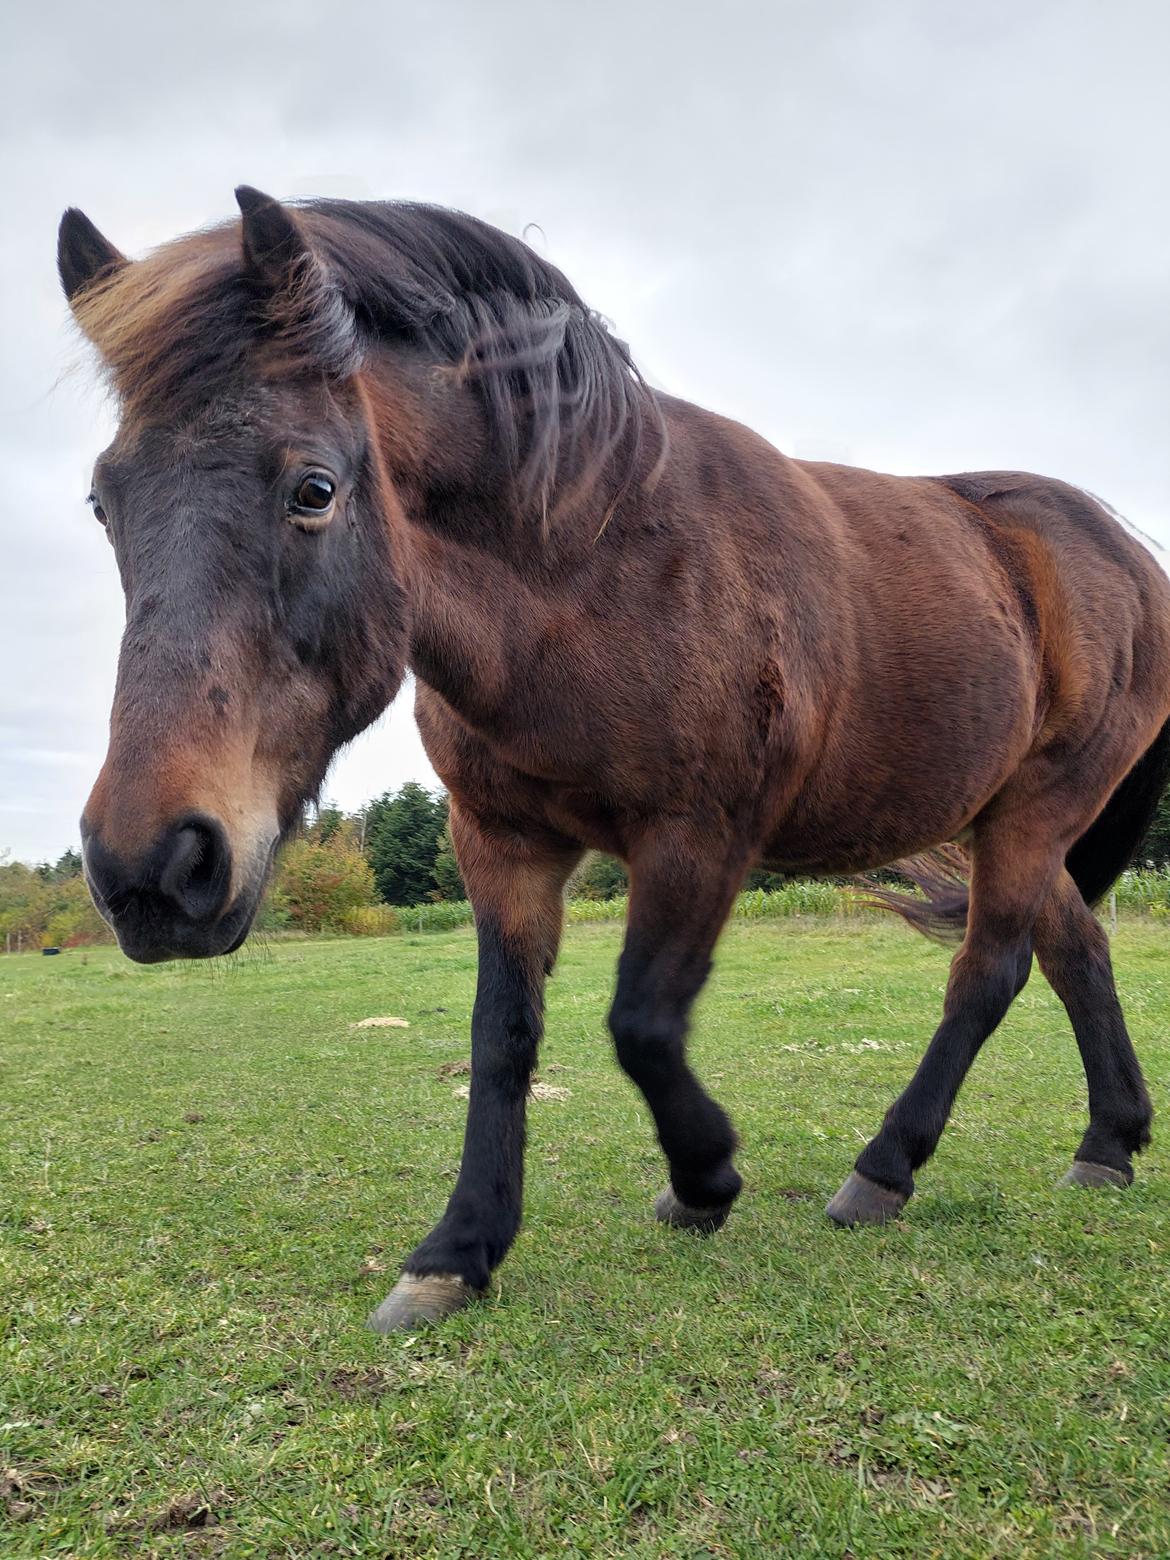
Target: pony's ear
(83, 254)
(304, 304)
(275, 249)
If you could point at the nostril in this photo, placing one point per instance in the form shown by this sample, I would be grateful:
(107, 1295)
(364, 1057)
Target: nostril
(198, 870)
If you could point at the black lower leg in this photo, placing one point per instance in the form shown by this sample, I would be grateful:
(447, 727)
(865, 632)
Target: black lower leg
(649, 1021)
(483, 1214)
(984, 980)
(1074, 954)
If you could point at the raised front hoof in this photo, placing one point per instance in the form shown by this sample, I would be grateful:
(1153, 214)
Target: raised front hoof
(1083, 1172)
(703, 1221)
(419, 1299)
(862, 1201)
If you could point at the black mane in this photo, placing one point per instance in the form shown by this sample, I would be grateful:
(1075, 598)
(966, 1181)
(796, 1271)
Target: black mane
(562, 393)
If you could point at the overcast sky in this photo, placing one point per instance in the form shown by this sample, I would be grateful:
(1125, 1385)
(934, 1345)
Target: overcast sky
(910, 234)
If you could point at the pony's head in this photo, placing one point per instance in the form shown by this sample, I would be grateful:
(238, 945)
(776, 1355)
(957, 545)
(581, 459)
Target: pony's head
(254, 527)
(294, 389)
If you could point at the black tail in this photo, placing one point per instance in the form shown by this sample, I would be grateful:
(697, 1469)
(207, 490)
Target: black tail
(939, 909)
(1095, 862)
(1108, 845)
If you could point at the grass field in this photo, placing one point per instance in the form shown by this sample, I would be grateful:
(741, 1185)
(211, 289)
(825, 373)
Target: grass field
(209, 1177)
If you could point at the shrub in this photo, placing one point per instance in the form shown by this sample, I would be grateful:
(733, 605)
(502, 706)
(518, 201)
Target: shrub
(75, 923)
(598, 877)
(317, 885)
(597, 909)
(42, 907)
(1145, 891)
(440, 915)
(370, 921)
(799, 897)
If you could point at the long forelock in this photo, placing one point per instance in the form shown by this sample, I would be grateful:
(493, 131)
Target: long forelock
(175, 329)
(562, 393)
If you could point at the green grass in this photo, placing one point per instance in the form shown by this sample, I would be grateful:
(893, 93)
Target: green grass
(208, 1179)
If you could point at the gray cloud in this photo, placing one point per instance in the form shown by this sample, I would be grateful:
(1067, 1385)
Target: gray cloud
(915, 236)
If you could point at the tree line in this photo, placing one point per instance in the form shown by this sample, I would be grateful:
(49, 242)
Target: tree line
(348, 872)
(345, 869)
(341, 872)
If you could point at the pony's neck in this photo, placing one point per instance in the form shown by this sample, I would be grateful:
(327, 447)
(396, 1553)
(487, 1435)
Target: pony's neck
(481, 578)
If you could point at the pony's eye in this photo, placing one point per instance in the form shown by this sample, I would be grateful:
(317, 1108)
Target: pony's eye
(314, 495)
(99, 513)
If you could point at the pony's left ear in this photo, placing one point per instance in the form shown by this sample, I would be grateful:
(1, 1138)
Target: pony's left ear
(304, 303)
(83, 254)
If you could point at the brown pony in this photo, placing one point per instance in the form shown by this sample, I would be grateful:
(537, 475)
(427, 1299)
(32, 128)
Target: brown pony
(361, 437)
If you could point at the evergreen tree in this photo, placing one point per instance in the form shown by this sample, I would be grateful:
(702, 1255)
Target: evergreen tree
(448, 879)
(329, 821)
(402, 843)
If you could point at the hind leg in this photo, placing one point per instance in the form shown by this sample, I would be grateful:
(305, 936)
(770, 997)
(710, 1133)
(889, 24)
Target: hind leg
(1073, 952)
(1010, 881)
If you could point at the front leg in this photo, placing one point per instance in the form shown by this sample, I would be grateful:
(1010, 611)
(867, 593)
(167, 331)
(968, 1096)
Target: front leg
(515, 883)
(683, 879)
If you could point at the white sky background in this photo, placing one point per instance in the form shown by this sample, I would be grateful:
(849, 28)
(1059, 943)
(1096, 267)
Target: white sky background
(908, 234)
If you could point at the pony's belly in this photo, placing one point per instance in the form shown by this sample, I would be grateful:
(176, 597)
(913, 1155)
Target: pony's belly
(861, 832)
(842, 858)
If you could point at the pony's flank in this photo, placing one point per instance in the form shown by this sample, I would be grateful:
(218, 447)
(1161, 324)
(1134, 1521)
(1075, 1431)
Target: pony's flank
(567, 407)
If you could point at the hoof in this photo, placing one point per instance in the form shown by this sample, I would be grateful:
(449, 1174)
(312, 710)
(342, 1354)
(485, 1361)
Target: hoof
(418, 1299)
(862, 1201)
(1084, 1173)
(704, 1221)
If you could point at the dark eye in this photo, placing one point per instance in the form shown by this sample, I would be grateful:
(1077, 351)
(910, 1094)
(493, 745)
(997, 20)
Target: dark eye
(99, 513)
(314, 495)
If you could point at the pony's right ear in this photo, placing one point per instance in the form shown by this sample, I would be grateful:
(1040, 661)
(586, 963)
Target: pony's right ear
(83, 254)
(275, 249)
(303, 303)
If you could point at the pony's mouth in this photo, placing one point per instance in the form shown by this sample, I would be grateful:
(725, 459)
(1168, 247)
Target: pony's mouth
(149, 931)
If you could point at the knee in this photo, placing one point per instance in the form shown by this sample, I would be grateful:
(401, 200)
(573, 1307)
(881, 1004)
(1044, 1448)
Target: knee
(629, 1026)
(645, 1040)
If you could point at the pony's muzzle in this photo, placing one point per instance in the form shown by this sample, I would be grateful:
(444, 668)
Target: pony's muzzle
(171, 901)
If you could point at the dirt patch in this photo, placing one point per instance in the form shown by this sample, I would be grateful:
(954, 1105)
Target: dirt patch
(774, 1384)
(381, 1023)
(15, 1487)
(454, 1069)
(352, 1383)
(878, 1475)
(192, 1510)
(550, 1091)
(538, 1091)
